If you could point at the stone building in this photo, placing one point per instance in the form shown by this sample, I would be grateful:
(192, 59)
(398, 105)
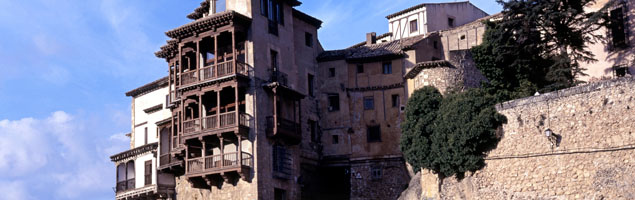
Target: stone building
(136, 174)
(256, 109)
(242, 104)
(364, 89)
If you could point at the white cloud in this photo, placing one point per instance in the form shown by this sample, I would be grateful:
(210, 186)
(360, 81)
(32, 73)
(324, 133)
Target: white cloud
(13, 191)
(24, 149)
(57, 154)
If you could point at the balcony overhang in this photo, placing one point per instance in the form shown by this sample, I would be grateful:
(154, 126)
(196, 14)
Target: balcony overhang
(211, 22)
(284, 91)
(133, 153)
(147, 192)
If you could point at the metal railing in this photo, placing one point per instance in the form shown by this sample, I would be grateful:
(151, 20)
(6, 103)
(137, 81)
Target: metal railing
(279, 77)
(282, 124)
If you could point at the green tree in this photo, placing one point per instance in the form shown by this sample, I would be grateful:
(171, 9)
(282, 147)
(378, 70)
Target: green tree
(538, 45)
(449, 135)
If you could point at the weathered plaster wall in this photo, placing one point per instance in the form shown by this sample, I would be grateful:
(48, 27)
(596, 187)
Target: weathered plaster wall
(606, 56)
(392, 181)
(595, 158)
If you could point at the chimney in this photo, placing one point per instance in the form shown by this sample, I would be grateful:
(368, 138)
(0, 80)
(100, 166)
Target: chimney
(371, 38)
(212, 7)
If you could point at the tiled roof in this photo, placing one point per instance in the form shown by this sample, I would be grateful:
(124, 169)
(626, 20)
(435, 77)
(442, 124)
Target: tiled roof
(200, 11)
(168, 50)
(426, 65)
(378, 38)
(381, 50)
(148, 87)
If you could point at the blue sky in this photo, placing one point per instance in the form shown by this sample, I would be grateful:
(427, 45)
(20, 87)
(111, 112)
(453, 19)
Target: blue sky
(66, 64)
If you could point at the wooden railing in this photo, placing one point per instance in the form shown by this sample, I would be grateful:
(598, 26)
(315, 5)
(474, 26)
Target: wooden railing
(216, 162)
(191, 126)
(210, 122)
(227, 119)
(214, 71)
(195, 164)
(165, 159)
(189, 77)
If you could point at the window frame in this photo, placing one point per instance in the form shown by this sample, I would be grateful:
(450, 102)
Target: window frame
(369, 103)
(416, 26)
(370, 134)
(332, 72)
(386, 68)
(360, 68)
(308, 39)
(396, 101)
(335, 139)
(147, 173)
(333, 107)
(614, 35)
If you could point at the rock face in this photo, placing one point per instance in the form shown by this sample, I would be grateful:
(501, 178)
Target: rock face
(592, 155)
(414, 188)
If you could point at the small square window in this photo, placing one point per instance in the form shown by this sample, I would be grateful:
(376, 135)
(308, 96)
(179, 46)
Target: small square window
(374, 134)
(360, 68)
(331, 72)
(395, 100)
(414, 26)
(336, 139)
(369, 103)
(450, 22)
(375, 172)
(308, 39)
(387, 68)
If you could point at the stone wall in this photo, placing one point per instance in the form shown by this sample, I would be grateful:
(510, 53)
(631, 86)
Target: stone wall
(238, 190)
(462, 75)
(592, 158)
(390, 182)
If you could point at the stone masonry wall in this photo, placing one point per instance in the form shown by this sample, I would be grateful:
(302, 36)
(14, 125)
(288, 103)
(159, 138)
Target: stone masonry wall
(594, 158)
(392, 181)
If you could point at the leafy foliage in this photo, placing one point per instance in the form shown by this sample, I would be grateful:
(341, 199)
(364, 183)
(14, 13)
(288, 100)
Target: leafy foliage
(538, 45)
(450, 135)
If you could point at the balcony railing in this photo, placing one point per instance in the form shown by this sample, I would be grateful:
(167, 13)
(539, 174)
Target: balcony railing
(191, 126)
(227, 119)
(288, 125)
(214, 71)
(189, 77)
(125, 185)
(210, 122)
(279, 77)
(216, 162)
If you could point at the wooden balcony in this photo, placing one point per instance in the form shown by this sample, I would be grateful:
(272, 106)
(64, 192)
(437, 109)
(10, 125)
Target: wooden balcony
(216, 124)
(216, 164)
(168, 161)
(284, 129)
(214, 72)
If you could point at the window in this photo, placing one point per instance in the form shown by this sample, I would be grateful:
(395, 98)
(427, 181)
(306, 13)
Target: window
(360, 68)
(414, 26)
(274, 60)
(148, 172)
(450, 22)
(462, 37)
(308, 39)
(435, 45)
(387, 68)
(314, 135)
(336, 139)
(279, 194)
(374, 134)
(369, 103)
(273, 10)
(334, 102)
(618, 36)
(375, 172)
(145, 140)
(395, 100)
(310, 84)
(280, 159)
(331, 72)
